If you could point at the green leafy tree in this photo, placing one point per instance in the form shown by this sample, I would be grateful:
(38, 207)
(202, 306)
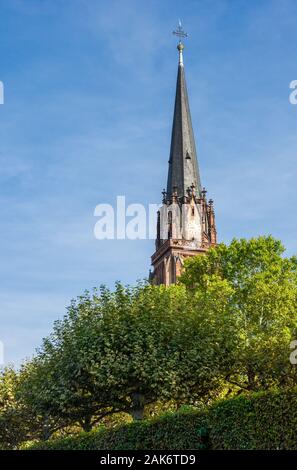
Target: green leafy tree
(14, 424)
(19, 420)
(262, 300)
(33, 389)
(120, 351)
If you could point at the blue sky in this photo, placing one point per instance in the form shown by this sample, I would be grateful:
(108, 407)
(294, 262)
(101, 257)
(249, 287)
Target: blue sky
(89, 91)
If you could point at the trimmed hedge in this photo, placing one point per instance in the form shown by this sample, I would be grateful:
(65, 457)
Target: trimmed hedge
(181, 430)
(256, 421)
(259, 421)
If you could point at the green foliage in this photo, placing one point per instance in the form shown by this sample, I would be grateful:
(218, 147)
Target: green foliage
(13, 427)
(182, 430)
(254, 421)
(138, 351)
(19, 421)
(120, 351)
(265, 420)
(262, 301)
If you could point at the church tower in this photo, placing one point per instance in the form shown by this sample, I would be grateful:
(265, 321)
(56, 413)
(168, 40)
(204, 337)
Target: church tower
(186, 220)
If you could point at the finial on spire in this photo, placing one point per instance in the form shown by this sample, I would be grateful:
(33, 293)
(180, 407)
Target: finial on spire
(180, 33)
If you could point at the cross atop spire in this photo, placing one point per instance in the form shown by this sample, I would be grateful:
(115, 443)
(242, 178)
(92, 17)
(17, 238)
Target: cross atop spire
(180, 33)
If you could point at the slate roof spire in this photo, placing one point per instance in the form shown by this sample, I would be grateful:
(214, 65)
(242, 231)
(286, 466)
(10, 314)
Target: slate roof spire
(183, 169)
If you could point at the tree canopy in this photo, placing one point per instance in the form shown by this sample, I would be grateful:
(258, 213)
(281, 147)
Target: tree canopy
(263, 286)
(119, 351)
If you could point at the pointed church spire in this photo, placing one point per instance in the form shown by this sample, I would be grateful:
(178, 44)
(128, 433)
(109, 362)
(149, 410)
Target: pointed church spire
(186, 220)
(183, 169)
